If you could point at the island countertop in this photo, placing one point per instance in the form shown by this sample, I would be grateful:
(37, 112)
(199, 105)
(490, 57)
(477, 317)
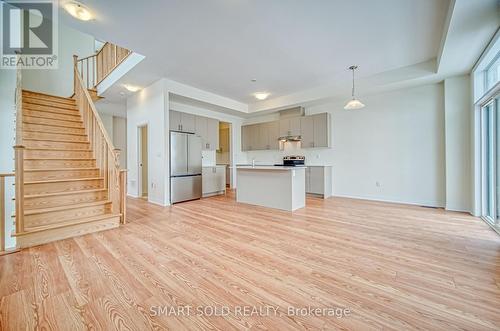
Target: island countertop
(277, 168)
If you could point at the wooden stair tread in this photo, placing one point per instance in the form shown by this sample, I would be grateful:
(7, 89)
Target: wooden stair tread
(58, 140)
(39, 102)
(55, 194)
(63, 180)
(26, 92)
(68, 133)
(61, 169)
(56, 125)
(56, 149)
(69, 223)
(66, 207)
(57, 119)
(60, 158)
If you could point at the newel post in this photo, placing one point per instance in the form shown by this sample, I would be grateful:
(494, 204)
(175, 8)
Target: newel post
(123, 196)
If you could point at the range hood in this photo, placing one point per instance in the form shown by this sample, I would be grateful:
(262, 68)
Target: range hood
(290, 138)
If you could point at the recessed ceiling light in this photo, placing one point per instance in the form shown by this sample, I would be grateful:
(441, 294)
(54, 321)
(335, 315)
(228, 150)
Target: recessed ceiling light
(261, 95)
(132, 88)
(78, 11)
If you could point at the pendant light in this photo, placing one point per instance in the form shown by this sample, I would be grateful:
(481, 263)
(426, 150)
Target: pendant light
(354, 103)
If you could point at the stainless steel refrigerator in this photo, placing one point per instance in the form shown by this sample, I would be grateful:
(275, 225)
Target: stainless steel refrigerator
(185, 166)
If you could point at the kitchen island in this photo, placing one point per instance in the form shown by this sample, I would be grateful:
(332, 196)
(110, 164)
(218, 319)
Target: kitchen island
(271, 186)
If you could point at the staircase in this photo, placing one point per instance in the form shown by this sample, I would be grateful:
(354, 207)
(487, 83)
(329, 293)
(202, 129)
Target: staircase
(65, 192)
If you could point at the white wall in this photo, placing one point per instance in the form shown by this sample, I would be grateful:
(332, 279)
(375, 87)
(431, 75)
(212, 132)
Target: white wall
(7, 140)
(457, 105)
(397, 140)
(148, 107)
(60, 81)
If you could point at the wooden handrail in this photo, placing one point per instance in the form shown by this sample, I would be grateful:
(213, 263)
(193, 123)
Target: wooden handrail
(107, 158)
(2, 210)
(93, 69)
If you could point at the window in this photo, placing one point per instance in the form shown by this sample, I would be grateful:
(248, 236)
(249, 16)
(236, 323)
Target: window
(492, 73)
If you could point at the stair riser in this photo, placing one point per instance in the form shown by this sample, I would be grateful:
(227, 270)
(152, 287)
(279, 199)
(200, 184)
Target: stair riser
(33, 154)
(42, 188)
(31, 176)
(48, 121)
(61, 200)
(53, 136)
(38, 238)
(48, 99)
(50, 115)
(52, 129)
(56, 144)
(69, 110)
(57, 217)
(52, 164)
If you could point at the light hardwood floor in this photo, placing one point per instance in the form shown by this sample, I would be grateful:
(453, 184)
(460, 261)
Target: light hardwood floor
(394, 267)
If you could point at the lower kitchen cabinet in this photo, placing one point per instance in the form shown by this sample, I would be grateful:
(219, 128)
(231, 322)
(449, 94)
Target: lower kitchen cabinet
(319, 180)
(213, 180)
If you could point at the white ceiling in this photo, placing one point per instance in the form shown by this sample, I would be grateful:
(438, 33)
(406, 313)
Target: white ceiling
(287, 45)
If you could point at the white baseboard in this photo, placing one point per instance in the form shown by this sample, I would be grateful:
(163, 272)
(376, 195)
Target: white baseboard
(434, 204)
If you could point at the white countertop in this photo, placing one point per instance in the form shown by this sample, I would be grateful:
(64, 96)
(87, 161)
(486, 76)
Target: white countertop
(279, 168)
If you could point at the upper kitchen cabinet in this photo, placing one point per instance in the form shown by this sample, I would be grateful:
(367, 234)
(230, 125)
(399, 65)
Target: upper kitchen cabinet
(290, 127)
(212, 137)
(250, 137)
(208, 130)
(321, 130)
(274, 134)
(182, 121)
(307, 131)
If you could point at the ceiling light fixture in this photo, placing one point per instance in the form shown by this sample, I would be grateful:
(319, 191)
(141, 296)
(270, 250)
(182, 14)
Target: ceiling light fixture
(261, 95)
(353, 103)
(132, 88)
(78, 11)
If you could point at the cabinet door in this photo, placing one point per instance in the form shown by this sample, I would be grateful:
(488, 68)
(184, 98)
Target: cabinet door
(208, 180)
(253, 137)
(263, 136)
(308, 179)
(220, 178)
(187, 123)
(316, 180)
(294, 126)
(321, 130)
(200, 129)
(273, 135)
(285, 128)
(307, 131)
(174, 120)
(212, 134)
(245, 137)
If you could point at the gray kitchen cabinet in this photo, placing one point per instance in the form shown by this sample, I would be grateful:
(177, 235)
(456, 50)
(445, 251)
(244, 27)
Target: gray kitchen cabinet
(175, 120)
(262, 137)
(290, 127)
(208, 130)
(181, 121)
(213, 180)
(307, 131)
(200, 125)
(274, 134)
(212, 138)
(249, 137)
(319, 180)
(321, 130)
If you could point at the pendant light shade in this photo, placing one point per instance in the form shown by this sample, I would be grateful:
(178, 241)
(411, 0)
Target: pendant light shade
(354, 103)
